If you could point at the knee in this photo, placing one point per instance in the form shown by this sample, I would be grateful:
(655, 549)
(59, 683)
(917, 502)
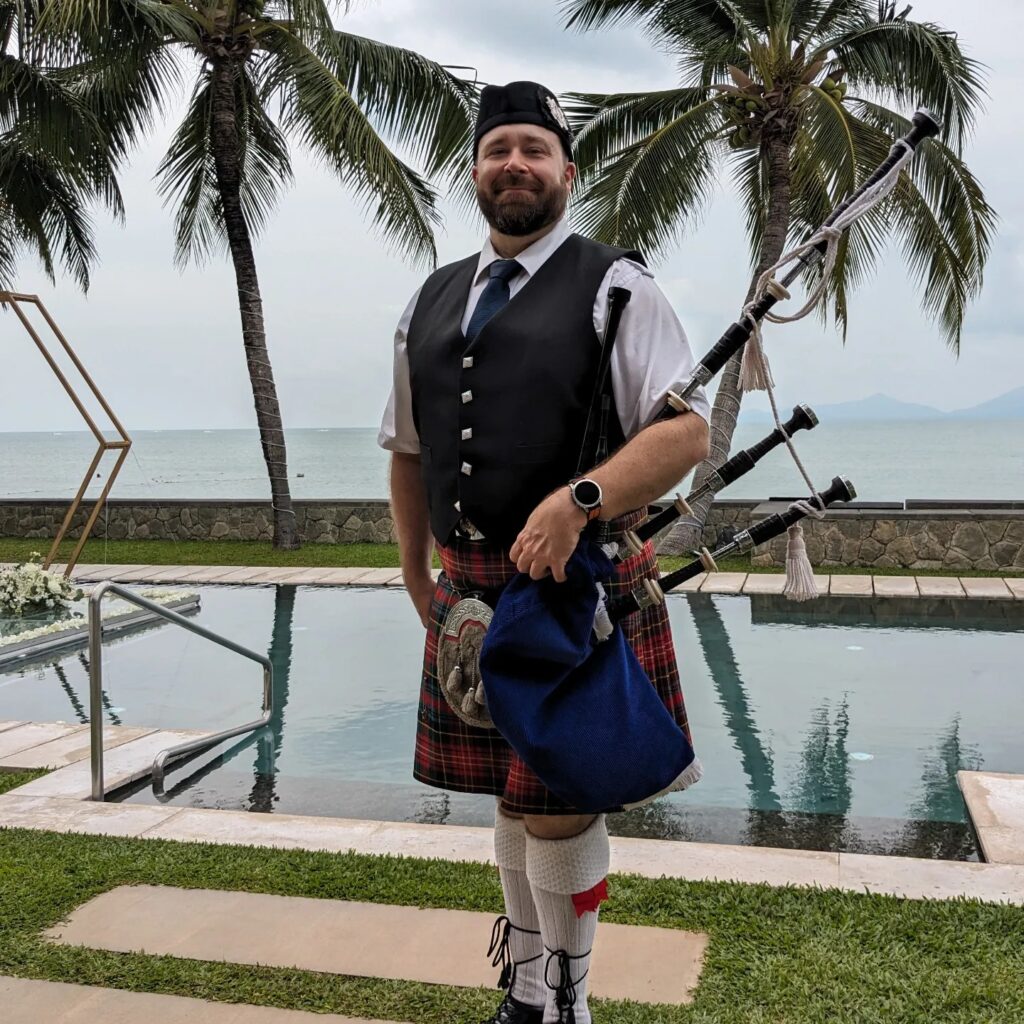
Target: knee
(560, 826)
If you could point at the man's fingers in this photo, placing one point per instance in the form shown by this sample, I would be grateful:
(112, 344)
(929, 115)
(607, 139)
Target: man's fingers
(558, 571)
(515, 551)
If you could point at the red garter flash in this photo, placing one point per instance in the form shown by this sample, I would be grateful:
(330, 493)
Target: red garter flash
(591, 899)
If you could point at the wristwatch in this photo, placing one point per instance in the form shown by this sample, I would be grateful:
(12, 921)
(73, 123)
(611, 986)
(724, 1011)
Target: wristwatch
(586, 494)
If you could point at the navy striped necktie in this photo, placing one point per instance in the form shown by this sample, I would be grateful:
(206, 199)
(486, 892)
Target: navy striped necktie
(495, 296)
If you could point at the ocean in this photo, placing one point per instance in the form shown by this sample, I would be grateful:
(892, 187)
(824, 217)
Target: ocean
(887, 461)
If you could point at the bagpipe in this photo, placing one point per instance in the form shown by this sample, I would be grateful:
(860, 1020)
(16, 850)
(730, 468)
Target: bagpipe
(562, 685)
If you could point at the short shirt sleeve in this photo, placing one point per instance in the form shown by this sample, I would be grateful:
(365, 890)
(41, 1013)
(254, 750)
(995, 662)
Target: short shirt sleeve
(397, 430)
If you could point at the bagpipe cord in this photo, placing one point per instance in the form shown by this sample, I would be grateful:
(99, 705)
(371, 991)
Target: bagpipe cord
(756, 375)
(500, 950)
(565, 990)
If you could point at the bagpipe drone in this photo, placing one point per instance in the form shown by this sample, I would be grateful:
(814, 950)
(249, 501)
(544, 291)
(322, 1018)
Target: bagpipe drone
(562, 685)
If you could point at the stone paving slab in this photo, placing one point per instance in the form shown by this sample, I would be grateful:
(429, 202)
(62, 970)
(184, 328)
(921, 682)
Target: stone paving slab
(896, 586)
(27, 1001)
(688, 586)
(379, 577)
(939, 586)
(765, 583)
(123, 764)
(723, 583)
(995, 802)
(112, 572)
(85, 817)
(143, 575)
(32, 734)
(917, 878)
(1001, 845)
(241, 574)
(851, 586)
(75, 746)
(174, 573)
(1016, 588)
(986, 589)
(4, 726)
(371, 940)
(343, 574)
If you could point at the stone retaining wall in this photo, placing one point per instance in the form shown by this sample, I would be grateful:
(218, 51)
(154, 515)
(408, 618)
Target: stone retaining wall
(886, 536)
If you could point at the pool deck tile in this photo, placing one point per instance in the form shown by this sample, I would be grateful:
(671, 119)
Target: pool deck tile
(765, 583)
(175, 573)
(939, 586)
(688, 586)
(84, 570)
(241, 574)
(27, 1001)
(379, 577)
(112, 572)
(896, 586)
(4, 726)
(343, 574)
(32, 734)
(916, 878)
(986, 589)
(123, 764)
(995, 802)
(851, 586)
(1016, 586)
(723, 583)
(397, 943)
(143, 575)
(86, 817)
(68, 749)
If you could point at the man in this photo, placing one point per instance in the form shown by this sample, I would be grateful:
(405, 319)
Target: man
(495, 361)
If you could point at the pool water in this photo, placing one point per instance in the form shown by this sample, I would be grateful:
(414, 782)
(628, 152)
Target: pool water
(838, 725)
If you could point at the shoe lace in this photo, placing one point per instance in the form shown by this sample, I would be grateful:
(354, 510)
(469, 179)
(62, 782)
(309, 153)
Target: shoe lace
(565, 989)
(500, 950)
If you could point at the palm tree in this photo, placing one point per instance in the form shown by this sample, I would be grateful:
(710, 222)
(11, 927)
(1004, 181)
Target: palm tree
(791, 99)
(54, 160)
(265, 73)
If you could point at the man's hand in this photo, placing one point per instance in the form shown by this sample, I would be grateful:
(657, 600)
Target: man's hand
(549, 537)
(421, 590)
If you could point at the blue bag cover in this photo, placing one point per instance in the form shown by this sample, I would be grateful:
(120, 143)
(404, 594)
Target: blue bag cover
(582, 714)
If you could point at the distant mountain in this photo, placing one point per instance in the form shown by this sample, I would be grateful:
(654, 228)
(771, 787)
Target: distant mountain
(883, 407)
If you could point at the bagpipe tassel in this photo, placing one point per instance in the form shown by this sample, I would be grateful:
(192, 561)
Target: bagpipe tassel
(800, 584)
(469, 701)
(755, 373)
(603, 627)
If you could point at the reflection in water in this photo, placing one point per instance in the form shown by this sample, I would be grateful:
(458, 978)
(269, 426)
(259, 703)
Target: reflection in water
(725, 674)
(269, 738)
(76, 704)
(83, 660)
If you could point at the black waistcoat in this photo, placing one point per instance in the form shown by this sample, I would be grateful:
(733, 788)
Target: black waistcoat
(501, 419)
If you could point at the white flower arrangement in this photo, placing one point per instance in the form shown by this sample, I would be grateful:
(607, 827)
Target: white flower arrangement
(28, 587)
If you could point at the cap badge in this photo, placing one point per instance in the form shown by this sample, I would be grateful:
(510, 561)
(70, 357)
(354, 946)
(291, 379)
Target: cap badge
(556, 113)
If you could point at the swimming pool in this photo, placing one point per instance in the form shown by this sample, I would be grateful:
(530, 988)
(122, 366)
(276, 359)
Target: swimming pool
(837, 725)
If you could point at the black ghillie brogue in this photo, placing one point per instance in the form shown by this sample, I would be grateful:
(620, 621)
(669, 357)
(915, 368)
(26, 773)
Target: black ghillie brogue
(512, 1011)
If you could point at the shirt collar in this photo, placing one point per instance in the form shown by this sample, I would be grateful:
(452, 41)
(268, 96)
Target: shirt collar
(533, 257)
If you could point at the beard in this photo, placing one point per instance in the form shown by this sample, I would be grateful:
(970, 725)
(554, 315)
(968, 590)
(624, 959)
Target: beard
(525, 214)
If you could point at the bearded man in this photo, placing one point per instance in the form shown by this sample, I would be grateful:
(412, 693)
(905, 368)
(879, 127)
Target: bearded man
(495, 361)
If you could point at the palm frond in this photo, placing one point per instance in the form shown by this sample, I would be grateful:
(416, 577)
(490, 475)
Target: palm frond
(648, 193)
(913, 63)
(317, 107)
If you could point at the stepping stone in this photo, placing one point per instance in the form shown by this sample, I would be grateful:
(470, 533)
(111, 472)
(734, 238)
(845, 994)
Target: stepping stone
(1016, 587)
(75, 746)
(723, 583)
(765, 583)
(896, 586)
(851, 586)
(986, 589)
(939, 586)
(33, 734)
(28, 1001)
(995, 802)
(444, 947)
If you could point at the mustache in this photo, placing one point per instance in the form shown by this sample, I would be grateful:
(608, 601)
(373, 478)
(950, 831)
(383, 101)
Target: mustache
(512, 181)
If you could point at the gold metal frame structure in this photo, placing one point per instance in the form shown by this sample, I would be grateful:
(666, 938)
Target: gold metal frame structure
(123, 445)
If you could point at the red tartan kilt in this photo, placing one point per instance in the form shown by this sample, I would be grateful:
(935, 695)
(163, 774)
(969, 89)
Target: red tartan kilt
(453, 755)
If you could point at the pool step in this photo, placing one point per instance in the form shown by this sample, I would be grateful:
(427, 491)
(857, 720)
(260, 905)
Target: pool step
(995, 802)
(373, 940)
(26, 1001)
(56, 744)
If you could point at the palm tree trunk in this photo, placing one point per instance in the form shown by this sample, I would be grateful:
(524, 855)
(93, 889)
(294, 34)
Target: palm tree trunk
(685, 536)
(226, 156)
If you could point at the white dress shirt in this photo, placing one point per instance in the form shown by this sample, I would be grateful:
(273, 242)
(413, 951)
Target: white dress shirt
(650, 355)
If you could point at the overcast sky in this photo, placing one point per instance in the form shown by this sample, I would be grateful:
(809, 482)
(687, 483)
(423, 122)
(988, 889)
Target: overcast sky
(165, 346)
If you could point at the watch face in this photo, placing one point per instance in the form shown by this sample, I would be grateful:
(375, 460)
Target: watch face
(587, 493)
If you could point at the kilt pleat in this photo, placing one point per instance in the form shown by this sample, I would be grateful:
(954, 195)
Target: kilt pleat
(453, 755)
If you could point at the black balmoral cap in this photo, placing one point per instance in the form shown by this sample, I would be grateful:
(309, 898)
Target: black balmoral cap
(521, 103)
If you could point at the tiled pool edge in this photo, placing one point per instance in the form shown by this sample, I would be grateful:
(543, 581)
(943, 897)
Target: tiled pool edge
(844, 585)
(58, 802)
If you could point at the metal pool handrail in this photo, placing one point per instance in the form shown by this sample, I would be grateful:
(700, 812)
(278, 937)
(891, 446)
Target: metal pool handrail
(96, 683)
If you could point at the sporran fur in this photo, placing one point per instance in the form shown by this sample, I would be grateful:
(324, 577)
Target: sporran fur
(458, 661)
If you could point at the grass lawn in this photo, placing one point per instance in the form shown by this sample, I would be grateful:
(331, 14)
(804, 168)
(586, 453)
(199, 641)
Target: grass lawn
(777, 956)
(11, 780)
(238, 552)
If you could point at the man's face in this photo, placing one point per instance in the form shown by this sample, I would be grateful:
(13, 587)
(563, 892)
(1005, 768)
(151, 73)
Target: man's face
(522, 178)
